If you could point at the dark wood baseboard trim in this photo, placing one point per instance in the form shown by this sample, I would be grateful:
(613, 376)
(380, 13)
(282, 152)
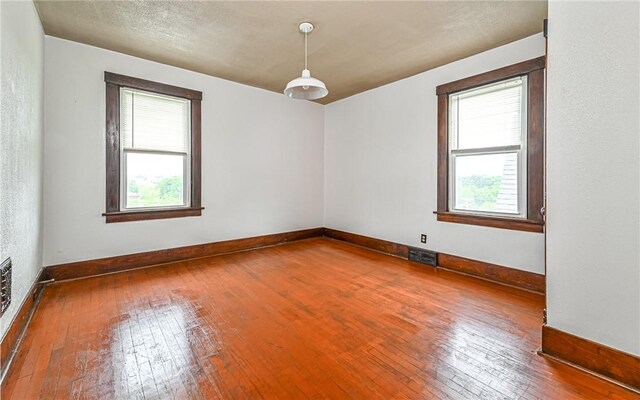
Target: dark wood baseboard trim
(491, 272)
(496, 273)
(380, 245)
(621, 367)
(84, 269)
(17, 328)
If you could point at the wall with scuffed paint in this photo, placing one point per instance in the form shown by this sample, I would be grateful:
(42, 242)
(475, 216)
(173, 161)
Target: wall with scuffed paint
(21, 144)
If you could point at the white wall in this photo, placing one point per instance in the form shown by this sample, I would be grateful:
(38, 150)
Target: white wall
(593, 178)
(381, 166)
(262, 166)
(21, 138)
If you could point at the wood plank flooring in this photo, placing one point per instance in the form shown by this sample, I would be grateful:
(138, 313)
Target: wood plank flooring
(315, 319)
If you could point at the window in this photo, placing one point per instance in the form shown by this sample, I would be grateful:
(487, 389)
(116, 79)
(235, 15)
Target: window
(490, 148)
(152, 151)
(487, 141)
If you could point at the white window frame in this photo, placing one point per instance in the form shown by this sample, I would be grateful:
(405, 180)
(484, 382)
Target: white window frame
(186, 168)
(520, 150)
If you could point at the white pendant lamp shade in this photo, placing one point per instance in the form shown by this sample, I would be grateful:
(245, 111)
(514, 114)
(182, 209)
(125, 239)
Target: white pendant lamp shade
(305, 87)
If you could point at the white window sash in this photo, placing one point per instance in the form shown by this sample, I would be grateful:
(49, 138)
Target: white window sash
(522, 187)
(186, 179)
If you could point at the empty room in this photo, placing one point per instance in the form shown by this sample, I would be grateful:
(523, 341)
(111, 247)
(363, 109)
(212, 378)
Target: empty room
(320, 199)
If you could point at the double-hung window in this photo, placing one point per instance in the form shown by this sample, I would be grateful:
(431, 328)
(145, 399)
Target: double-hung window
(490, 148)
(153, 154)
(487, 149)
(156, 156)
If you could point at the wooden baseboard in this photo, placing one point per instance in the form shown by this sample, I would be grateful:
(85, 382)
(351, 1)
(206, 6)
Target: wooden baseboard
(492, 272)
(17, 327)
(496, 273)
(380, 245)
(591, 356)
(83, 269)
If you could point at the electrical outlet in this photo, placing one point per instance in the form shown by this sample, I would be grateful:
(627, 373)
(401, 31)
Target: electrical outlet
(423, 238)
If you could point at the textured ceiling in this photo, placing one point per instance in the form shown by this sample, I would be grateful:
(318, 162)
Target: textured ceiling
(356, 46)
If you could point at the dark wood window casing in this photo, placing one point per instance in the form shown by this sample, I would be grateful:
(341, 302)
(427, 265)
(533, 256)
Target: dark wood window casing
(114, 213)
(534, 222)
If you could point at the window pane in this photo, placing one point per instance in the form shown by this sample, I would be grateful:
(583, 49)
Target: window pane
(154, 122)
(488, 116)
(487, 182)
(154, 180)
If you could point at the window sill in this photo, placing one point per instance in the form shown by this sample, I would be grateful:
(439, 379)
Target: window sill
(125, 216)
(491, 221)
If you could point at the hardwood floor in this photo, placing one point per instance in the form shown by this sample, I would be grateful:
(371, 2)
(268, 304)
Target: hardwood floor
(312, 319)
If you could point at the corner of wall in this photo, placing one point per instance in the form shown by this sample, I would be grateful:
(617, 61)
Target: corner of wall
(22, 125)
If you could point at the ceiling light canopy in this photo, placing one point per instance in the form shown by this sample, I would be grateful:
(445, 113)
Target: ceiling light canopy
(306, 87)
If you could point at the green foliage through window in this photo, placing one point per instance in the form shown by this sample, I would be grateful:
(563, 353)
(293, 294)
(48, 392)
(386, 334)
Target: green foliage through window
(165, 192)
(478, 192)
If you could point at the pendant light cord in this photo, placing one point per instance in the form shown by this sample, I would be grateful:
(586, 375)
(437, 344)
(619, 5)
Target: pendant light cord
(305, 50)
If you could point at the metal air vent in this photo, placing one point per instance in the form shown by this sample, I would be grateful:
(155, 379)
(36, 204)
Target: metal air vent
(5, 285)
(423, 256)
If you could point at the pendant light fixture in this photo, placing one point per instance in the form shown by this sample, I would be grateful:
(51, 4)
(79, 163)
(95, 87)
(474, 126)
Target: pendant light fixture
(306, 87)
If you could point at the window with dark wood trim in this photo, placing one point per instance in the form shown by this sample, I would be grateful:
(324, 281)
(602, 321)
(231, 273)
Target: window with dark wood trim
(185, 155)
(529, 216)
